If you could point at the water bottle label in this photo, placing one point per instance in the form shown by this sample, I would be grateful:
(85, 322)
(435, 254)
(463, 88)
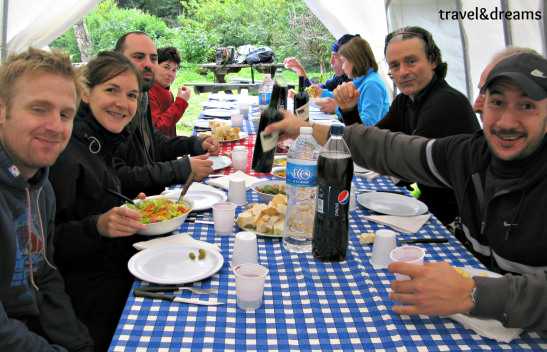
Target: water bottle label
(333, 202)
(264, 98)
(301, 175)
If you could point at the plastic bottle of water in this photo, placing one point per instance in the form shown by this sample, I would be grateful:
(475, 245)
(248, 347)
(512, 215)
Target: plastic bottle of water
(301, 179)
(265, 92)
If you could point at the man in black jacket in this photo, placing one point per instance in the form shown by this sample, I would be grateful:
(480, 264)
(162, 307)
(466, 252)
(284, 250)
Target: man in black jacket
(148, 161)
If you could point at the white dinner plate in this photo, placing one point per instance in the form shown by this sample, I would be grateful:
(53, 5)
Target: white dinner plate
(278, 168)
(220, 162)
(242, 135)
(477, 272)
(313, 102)
(392, 204)
(259, 233)
(221, 113)
(203, 198)
(227, 97)
(205, 123)
(171, 264)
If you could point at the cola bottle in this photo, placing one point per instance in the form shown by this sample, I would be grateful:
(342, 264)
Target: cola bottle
(264, 152)
(334, 176)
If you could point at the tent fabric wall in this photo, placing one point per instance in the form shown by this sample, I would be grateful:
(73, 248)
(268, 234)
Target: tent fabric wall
(37, 23)
(466, 44)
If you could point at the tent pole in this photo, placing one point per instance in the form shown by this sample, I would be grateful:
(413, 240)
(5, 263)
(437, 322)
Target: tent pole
(507, 33)
(465, 54)
(4, 29)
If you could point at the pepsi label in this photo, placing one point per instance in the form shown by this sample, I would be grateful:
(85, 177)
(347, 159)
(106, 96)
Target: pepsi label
(301, 175)
(332, 200)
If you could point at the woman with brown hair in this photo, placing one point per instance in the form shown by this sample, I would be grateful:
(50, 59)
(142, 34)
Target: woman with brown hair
(360, 65)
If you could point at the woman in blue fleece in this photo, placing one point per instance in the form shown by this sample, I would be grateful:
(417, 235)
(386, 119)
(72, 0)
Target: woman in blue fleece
(360, 65)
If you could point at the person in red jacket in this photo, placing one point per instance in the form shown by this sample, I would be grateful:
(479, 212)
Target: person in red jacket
(166, 110)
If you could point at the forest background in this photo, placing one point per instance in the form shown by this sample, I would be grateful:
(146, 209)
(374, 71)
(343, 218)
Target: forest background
(197, 27)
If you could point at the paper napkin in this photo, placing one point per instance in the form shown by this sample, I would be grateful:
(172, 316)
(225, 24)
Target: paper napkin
(489, 328)
(174, 239)
(406, 224)
(224, 182)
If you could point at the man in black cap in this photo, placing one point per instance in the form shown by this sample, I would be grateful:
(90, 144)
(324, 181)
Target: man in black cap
(338, 78)
(499, 176)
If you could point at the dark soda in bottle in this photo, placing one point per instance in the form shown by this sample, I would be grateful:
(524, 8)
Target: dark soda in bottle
(280, 81)
(302, 101)
(264, 152)
(334, 176)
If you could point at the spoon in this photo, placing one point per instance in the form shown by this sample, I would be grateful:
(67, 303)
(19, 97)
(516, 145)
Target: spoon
(187, 185)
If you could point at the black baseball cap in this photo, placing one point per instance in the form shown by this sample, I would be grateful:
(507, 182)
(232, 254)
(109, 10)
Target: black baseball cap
(529, 71)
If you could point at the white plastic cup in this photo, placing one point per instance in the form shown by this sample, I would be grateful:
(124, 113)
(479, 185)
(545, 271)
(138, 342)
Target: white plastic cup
(407, 254)
(237, 119)
(244, 108)
(245, 249)
(250, 279)
(239, 158)
(384, 242)
(237, 191)
(223, 217)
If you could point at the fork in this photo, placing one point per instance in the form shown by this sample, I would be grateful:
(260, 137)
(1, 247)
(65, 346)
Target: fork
(199, 291)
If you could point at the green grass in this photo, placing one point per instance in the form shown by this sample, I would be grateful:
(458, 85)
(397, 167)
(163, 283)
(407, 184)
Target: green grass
(191, 73)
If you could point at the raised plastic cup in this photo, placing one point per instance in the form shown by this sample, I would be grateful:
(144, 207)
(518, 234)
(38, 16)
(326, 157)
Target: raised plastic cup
(245, 249)
(407, 254)
(250, 279)
(384, 242)
(223, 217)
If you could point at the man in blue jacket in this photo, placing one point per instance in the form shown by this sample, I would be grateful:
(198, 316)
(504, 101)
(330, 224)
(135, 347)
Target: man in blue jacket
(330, 84)
(39, 93)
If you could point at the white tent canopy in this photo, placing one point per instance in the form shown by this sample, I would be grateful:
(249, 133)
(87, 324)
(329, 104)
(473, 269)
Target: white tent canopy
(466, 44)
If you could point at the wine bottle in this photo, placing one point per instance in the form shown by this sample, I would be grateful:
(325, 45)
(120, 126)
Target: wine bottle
(301, 101)
(263, 155)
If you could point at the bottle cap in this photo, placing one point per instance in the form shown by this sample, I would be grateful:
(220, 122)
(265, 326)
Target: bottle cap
(337, 129)
(306, 130)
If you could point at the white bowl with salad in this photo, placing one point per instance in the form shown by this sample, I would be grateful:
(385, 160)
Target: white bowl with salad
(161, 214)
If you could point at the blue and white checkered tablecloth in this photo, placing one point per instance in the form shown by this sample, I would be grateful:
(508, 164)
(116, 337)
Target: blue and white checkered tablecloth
(308, 305)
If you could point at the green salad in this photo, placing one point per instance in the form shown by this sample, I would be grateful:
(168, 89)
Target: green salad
(159, 209)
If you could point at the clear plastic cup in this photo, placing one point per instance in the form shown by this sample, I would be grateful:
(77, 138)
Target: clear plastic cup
(407, 254)
(237, 120)
(237, 191)
(250, 279)
(384, 242)
(223, 217)
(245, 249)
(239, 158)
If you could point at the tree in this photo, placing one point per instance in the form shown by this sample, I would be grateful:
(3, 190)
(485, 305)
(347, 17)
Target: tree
(83, 39)
(309, 35)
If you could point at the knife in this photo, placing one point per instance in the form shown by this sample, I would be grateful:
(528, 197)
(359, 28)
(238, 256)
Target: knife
(142, 293)
(380, 191)
(424, 240)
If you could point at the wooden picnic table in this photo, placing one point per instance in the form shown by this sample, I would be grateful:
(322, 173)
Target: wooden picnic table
(221, 71)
